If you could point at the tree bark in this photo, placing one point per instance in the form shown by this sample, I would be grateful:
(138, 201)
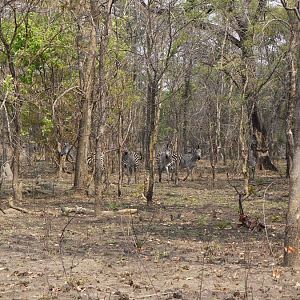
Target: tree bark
(154, 110)
(186, 101)
(88, 81)
(292, 229)
(100, 107)
(292, 94)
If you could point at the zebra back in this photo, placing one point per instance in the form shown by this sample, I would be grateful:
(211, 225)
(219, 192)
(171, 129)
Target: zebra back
(131, 160)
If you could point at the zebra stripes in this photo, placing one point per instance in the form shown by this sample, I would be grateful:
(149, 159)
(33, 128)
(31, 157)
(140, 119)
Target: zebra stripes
(130, 164)
(187, 161)
(70, 152)
(164, 160)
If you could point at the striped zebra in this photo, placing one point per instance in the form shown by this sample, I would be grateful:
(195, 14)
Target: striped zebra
(70, 152)
(130, 164)
(164, 160)
(186, 161)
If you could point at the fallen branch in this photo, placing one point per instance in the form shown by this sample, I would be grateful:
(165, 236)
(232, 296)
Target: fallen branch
(11, 205)
(81, 210)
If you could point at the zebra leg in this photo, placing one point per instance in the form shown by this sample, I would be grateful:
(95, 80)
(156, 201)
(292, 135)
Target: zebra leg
(159, 175)
(135, 176)
(187, 175)
(128, 179)
(168, 174)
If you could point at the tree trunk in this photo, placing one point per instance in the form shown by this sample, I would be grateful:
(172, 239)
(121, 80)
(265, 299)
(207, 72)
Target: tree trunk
(120, 139)
(292, 95)
(292, 238)
(186, 100)
(261, 142)
(17, 143)
(154, 111)
(244, 142)
(17, 146)
(88, 81)
(100, 107)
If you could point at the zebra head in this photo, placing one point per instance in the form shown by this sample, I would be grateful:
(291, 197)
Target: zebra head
(69, 151)
(65, 149)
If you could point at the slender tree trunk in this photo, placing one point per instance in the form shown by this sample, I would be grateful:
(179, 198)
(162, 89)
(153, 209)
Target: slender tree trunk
(292, 95)
(154, 110)
(120, 139)
(186, 101)
(244, 142)
(292, 230)
(17, 143)
(4, 135)
(17, 146)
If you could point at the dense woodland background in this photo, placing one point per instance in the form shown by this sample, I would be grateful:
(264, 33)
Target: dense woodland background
(109, 76)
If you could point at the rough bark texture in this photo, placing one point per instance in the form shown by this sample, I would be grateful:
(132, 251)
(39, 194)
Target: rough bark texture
(153, 132)
(292, 94)
(261, 142)
(292, 230)
(88, 82)
(100, 108)
(186, 101)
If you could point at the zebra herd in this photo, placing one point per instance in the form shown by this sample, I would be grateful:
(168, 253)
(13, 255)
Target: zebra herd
(166, 161)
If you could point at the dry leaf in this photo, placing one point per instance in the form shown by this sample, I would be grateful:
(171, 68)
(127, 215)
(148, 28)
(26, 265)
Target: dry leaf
(276, 273)
(290, 249)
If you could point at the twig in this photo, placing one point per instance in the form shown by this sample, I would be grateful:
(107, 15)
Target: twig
(4, 100)
(61, 242)
(60, 96)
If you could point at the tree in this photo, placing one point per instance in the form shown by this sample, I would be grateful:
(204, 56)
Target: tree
(13, 39)
(292, 229)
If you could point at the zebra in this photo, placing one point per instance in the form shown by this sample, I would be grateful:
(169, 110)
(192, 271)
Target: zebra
(130, 163)
(164, 160)
(186, 161)
(70, 152)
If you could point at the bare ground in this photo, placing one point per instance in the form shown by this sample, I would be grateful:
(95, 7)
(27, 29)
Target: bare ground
(187, 245)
